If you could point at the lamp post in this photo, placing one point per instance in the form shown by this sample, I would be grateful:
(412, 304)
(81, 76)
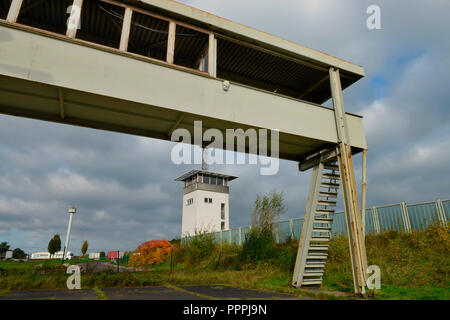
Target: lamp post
(72, 211)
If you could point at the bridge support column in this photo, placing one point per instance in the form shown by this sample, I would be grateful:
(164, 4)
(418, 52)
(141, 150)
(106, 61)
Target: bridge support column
(355, 230)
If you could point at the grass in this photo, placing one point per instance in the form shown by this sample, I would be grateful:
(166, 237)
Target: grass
(413, 266)
(100, 294)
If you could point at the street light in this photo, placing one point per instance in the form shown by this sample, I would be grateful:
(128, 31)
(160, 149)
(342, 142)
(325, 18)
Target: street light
(72, 211)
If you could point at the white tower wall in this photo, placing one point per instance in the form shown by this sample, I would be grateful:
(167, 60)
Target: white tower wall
(204, 216)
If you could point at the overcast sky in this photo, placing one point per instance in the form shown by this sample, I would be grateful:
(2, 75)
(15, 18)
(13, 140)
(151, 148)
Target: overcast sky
(124, 185)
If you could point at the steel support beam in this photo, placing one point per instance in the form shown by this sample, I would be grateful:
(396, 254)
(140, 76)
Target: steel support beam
(75, 16)
(363, 190)
(14, 10)
(171, 42)
(349, 191)
(126, 27)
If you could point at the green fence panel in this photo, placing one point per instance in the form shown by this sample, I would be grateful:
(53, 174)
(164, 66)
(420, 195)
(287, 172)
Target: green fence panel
(390, 218)
(446, 205)
(339, 226)
(421, 215)
(297, 228)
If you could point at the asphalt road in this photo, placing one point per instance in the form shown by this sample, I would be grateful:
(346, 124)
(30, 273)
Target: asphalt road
(148, 293)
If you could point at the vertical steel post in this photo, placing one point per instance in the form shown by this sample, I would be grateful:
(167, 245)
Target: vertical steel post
(171, 42)
(363, 191)
(441, 212)
(212, 55)
(240, 236)
(376, 221)
(126, 27)
(405, 217)
(14, 10)
(349, 191)
(291, 228)
(74, 19)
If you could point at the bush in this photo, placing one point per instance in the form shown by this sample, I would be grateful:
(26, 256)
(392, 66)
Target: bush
(259, 245)
(199, 247)
(150, 253)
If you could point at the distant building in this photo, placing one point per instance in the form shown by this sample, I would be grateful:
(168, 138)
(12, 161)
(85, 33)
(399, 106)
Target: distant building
(205, 202)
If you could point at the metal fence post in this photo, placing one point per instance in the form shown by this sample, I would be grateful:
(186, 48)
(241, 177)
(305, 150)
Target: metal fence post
(221, 236)
(291, 228)
(240, 236)
(405, 216)
(277, 235)
(441, 212)
(376, 221)
(230, 238)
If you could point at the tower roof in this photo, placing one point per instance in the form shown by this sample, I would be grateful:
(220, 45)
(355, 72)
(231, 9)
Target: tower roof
(188, 175)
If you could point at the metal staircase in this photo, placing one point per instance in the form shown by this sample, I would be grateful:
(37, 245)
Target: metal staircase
(317, 223)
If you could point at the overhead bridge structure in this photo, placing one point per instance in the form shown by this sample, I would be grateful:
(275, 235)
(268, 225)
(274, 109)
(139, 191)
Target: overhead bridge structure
(149, 67)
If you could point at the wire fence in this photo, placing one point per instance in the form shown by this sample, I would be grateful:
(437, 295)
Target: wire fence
(401, 217)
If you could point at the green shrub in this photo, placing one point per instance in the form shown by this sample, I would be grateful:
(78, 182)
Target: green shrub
(258, 246)
(199, 247)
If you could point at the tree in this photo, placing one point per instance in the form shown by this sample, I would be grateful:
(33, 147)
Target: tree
(4, 246)
(84, 248)
(57, 242)
(259, 244)
(267, 208)
(54, 245)
(19, 254)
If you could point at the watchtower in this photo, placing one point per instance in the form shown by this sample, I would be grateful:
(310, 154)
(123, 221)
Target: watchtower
(205, 202)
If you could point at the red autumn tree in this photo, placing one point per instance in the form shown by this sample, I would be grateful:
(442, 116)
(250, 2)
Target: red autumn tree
(150, 253)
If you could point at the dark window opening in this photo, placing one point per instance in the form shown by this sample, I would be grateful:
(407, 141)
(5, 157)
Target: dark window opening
(222, 225)
(101, 23)
(148, 36)
(50, 15)
(213, 180)
(191, 48)
(4, 8)
(222, 211)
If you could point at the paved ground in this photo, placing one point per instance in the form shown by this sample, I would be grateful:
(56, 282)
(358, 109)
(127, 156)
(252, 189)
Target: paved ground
(148, 293)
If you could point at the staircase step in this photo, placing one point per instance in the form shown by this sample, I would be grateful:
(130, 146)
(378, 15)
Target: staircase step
(320, 239)
(331, 176)
(311, 283)
(324, 210)
(331, 167)
(313, 274)
(328, 203)
(323, 231)
(316, 257)
(328, 194)
(315, 265)
(330, 185)
(318, 248)
(323, 220)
